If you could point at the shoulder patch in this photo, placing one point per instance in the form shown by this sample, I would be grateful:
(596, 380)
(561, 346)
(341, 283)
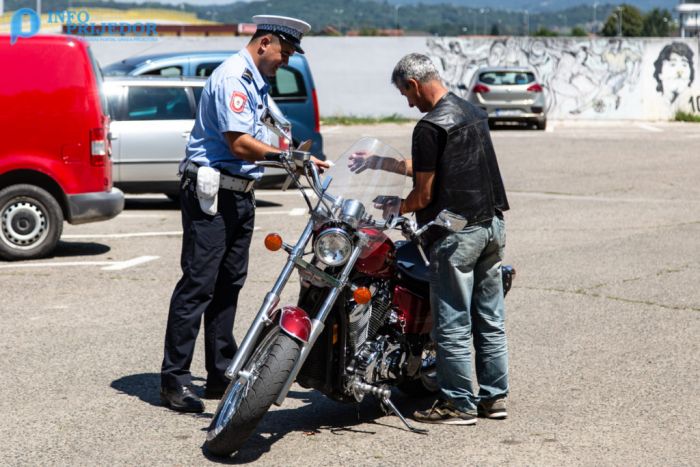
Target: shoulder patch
(247, 75)
(238, 101)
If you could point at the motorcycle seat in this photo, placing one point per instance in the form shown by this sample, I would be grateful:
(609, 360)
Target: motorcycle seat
(410, 262)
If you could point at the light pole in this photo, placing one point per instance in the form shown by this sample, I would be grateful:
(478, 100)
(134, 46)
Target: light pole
(619, 21)
(594, 29)
(398, 26)
(483, 12)
(527, 22)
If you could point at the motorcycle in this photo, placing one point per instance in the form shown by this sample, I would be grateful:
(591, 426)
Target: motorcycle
(362, 322)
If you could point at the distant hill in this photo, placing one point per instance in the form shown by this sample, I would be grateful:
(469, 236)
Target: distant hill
(543, 5)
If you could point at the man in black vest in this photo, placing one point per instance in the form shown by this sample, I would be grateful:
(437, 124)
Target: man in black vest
(454, 167)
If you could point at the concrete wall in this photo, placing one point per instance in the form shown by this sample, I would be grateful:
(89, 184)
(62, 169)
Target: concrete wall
(583, 78)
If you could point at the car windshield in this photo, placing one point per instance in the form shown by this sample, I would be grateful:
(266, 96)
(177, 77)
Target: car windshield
(117, 69)
(507, 78)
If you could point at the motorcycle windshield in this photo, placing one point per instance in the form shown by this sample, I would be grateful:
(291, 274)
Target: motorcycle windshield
(367, 170)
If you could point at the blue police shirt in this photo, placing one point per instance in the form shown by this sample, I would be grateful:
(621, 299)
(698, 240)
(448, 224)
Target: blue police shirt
(233, 99)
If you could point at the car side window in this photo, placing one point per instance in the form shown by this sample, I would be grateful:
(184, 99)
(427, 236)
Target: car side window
(288, 84)
(158, 103)
(205, 69)
(165, 71)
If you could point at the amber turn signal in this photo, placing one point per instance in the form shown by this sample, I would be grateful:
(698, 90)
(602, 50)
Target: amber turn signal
(362, 295)
(273, 242)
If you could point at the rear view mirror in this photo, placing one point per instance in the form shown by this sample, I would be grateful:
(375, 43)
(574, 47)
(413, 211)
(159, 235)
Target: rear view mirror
(277, 123)
(451, 221)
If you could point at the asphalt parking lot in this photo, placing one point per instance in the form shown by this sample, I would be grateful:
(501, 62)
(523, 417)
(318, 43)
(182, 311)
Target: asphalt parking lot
(603, 323)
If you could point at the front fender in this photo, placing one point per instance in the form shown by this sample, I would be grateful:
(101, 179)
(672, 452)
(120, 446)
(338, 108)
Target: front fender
(295, 322)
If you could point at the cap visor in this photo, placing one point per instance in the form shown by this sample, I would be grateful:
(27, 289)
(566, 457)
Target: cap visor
(296, 45)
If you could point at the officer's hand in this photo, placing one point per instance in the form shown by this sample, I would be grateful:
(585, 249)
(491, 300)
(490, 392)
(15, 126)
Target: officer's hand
(320, 165)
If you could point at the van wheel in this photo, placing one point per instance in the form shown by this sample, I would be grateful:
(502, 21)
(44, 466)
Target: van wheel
(31, 222)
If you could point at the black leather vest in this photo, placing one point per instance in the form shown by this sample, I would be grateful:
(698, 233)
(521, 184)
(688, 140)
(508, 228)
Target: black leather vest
(467, 179)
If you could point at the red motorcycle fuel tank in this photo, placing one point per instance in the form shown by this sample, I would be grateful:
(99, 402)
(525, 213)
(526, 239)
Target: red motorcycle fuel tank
(413, 311)
(378, 257)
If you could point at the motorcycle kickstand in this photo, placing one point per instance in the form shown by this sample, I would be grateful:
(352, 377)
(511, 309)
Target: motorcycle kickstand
(387, 404)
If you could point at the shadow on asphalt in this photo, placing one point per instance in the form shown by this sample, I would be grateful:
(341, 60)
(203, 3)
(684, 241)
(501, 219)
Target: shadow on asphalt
(66, 249)
(321, 415)
(151, 204)
(146, 386)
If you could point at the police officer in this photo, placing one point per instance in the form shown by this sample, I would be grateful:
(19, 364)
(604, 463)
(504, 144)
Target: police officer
(218, 208)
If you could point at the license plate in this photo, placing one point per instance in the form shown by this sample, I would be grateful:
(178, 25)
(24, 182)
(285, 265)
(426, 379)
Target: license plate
(507, 113)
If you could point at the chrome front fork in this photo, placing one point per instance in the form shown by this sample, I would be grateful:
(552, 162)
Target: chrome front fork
(318, 322)
(271, 300)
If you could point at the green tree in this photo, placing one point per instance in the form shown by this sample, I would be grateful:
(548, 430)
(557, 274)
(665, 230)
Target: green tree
(495, 30)
(544, 32)
(657, 23)
(632, 21)
(578, 31)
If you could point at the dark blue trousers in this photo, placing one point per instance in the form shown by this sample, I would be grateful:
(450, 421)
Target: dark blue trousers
(214, 263)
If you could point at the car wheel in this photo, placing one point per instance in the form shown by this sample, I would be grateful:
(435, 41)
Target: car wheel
(541, 124)
(31, 222)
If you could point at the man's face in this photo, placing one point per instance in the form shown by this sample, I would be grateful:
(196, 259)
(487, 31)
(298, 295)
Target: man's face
(276, 53)
(411, 91)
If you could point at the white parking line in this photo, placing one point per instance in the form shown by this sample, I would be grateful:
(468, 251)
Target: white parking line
(108, 265)
(126, 235)
(293, 212)
(646, 127)
(130, 263)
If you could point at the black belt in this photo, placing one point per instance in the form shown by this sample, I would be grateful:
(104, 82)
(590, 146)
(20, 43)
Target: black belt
(227, 182)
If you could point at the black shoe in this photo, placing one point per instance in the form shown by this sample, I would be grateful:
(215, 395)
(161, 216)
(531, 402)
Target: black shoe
(181, 399)
(214, 392)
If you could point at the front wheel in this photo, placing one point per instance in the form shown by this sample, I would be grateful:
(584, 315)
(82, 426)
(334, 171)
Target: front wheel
(248, 398)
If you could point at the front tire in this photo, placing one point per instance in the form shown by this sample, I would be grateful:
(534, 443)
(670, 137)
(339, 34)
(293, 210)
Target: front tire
(245, 402)
(31, 222)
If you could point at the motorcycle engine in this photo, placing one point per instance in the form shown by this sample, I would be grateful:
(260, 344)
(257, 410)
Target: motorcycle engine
(365, 320)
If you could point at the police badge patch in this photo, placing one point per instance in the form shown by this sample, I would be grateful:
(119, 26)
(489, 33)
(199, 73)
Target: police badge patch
(238, 101)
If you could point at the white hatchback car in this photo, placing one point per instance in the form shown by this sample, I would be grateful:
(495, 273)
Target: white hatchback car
(152, 118)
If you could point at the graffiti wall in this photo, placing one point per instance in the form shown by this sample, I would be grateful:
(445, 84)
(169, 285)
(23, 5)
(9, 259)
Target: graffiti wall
(585, 79)
(589, 78)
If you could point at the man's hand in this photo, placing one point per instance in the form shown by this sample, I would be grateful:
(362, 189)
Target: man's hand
(390, 206)
(360, 161)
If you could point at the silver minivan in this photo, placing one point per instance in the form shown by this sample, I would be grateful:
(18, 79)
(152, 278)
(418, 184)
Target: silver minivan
(509, 94)
(152, 118)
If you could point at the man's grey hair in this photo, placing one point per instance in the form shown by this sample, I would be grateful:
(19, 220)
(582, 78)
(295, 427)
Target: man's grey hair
(414, 66)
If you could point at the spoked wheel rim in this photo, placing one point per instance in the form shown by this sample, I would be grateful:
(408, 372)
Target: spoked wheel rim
(236, 392)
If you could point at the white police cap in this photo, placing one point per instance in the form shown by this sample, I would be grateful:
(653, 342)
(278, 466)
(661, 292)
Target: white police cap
(290, 30)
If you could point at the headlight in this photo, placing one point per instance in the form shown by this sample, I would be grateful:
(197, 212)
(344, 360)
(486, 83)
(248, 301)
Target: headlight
(333, 246)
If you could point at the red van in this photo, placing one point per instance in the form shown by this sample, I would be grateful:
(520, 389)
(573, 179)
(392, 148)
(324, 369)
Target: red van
(54, 148)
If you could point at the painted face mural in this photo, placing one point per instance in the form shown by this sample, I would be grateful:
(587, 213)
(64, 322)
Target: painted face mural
(674, 71)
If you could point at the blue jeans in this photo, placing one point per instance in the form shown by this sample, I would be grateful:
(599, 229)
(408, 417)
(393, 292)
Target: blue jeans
(466, 296)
